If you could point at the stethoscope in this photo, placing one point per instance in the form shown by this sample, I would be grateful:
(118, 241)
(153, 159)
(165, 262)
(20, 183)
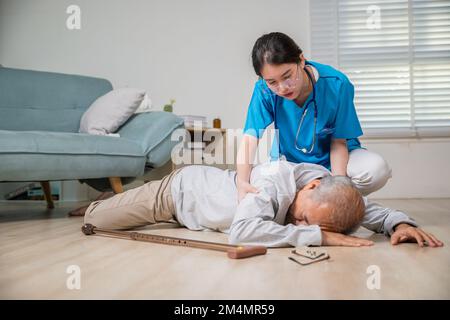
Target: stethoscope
(313, 101)
(305, 111)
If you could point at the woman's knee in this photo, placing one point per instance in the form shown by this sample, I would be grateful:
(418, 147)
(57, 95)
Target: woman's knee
(370, 172)
(380, 173)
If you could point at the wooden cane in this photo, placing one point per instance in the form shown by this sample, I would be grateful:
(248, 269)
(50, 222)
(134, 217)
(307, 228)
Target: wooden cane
(233, 252)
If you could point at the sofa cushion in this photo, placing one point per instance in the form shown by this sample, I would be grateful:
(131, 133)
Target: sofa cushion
(40, 155)
(65, 143)
(153, 131)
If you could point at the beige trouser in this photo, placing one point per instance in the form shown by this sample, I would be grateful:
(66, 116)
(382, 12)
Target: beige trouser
(368, 170)
(148, 204)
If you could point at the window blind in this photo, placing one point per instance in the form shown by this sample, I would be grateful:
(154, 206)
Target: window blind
(397, 55)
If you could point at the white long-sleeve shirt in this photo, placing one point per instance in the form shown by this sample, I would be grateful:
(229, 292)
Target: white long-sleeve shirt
(205, 198)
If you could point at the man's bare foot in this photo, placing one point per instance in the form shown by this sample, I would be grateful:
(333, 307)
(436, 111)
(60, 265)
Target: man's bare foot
(80, 211)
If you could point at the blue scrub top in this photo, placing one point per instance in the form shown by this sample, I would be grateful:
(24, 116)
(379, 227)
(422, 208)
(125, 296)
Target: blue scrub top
(336, 118)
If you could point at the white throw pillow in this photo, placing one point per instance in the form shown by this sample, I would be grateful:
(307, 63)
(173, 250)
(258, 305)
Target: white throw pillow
(145, 106)
(110, 111)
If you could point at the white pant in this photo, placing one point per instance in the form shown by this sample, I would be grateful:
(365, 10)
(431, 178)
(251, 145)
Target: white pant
(368, 170)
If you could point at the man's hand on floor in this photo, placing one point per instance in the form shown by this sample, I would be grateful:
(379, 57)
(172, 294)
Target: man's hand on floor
(338, 239)
(407, 233)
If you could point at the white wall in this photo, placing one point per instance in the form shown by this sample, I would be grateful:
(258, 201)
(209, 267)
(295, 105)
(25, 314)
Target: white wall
(420, 167)
(196, 51)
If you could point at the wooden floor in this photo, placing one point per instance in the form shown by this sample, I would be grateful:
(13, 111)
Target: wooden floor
(37, 246)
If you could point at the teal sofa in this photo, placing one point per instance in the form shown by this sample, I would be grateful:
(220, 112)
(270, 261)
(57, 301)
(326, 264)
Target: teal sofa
(40, 115)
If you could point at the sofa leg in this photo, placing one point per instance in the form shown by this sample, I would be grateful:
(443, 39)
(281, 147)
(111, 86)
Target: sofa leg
(47, 194)
(116, 184)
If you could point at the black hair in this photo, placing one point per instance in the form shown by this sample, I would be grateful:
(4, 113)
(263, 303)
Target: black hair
(274, 48)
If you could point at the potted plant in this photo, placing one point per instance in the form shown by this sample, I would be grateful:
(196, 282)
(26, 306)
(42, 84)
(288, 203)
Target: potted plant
(169, 107)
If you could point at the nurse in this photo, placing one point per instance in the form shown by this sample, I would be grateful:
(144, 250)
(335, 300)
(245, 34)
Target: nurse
(311, 106)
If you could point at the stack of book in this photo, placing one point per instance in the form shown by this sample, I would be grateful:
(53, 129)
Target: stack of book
(194, 121)
(21, 193)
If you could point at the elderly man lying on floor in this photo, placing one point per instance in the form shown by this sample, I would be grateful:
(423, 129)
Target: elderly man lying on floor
(297, 205)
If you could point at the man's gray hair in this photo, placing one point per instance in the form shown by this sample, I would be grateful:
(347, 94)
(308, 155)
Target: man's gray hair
(345, 200)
